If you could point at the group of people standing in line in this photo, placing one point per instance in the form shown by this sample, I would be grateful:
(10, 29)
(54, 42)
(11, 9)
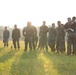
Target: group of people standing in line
(53, 36)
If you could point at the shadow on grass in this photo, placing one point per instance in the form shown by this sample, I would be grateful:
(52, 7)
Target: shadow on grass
(43, 63)
(6, 56)
(26, 64)
(65, 65)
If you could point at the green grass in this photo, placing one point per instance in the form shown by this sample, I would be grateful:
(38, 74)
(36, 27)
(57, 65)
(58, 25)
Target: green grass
(18, 62)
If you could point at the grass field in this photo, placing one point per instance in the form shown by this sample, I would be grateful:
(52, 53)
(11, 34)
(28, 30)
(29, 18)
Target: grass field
(18, 62)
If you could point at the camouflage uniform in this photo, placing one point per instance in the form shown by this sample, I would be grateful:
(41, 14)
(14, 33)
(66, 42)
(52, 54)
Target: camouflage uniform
(34, 34)
(28, 34)
(52, 38)
(74, 37)
(43, 36)
(16, 36)
(5, 37)
(60, 39)
(71, 41)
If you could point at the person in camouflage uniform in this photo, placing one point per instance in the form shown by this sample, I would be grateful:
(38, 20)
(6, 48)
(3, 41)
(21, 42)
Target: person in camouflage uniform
(60, 38)
(64, 48)
(16, 36)
(70, 27)
(43, 36)
(52, 37)
(34, 35)
(69, 39)
(27, 33)
(73, 26)
(6, 34)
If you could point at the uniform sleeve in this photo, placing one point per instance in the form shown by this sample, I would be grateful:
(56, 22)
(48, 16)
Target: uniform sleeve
(55, 33)
(46, 30)
(65, 26)
(63, 32)
(41, 30)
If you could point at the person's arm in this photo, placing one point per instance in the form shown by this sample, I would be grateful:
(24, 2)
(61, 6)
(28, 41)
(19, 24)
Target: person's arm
(66, 26)
(46, 30)
(55, 33)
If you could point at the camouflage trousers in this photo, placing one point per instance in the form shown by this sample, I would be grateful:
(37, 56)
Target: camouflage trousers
(51, 44)
(16, 43)
(28, 41)
(71, 46)
(60, 45)
(43, 43)
(5, 41)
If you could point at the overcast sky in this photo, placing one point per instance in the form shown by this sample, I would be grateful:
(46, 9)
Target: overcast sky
(20, 11)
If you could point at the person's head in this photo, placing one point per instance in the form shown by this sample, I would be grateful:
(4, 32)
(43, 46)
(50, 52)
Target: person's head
(53, 25)
(44, 22)
(28, 23)
(5, 28)
(69, 19)
(59, 23)
(73, 18)
(15, 26)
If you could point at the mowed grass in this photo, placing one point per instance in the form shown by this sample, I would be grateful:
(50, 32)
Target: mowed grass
(39, 62)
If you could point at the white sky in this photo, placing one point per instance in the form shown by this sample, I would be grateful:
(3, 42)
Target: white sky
(20, 11)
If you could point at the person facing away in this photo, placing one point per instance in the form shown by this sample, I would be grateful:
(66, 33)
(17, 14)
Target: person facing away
(27, 33)
(60, 38)
(16, 36)
(43, 36)
(34, 34)
(6, 35)
(52, 37)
